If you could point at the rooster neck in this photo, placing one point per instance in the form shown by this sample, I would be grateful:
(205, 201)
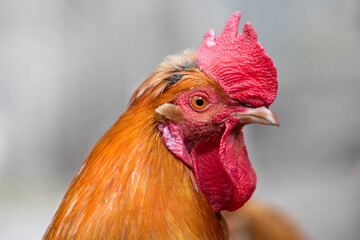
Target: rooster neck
(132, 187)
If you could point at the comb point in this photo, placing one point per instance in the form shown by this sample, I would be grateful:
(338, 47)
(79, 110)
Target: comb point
(239, 63)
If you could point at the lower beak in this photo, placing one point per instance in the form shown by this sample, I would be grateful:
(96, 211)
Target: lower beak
(260, 115)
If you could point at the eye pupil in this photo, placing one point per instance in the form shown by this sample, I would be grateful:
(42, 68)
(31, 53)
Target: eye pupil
(200, 102)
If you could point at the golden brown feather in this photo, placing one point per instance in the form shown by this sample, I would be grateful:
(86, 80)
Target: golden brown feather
(131, 186)
(259, 221)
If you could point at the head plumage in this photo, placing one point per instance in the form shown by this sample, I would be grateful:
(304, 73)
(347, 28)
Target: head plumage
(239, 63)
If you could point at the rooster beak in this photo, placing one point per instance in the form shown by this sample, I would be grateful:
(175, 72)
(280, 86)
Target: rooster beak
(260, 115)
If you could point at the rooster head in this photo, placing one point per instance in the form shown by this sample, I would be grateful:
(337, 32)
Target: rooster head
(203, 99)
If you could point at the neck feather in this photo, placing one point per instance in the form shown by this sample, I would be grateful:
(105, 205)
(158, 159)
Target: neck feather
(132, 187)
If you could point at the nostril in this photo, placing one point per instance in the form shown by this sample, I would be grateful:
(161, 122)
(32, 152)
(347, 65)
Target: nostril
(243, 104)
(236, 101)
(247, 105)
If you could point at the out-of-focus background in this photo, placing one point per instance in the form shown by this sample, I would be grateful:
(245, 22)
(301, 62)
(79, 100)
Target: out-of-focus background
(68, 68)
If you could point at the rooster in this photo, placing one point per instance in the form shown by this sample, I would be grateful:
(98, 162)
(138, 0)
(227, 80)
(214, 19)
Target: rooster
(176, 158)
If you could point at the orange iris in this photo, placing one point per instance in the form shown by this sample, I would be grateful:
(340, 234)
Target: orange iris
(199, 102)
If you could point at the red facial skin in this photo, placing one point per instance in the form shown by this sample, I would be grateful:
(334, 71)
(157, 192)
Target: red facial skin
(211, 142)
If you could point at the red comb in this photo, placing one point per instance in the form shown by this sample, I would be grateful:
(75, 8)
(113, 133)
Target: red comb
(239, 63)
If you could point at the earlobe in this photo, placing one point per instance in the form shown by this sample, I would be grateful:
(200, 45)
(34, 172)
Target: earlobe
(173, 139)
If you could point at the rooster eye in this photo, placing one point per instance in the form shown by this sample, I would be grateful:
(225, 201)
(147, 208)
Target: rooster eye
(199, 102)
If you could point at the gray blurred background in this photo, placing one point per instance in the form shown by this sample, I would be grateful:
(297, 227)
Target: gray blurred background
(68, 68)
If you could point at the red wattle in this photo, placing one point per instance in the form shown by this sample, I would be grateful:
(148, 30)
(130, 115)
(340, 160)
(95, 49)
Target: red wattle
(223, 170)
(234, 158)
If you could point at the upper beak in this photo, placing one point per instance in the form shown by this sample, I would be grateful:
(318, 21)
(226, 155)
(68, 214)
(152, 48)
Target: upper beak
(261, 115)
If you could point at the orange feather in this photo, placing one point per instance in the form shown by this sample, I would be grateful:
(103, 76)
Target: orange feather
(131, 186)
